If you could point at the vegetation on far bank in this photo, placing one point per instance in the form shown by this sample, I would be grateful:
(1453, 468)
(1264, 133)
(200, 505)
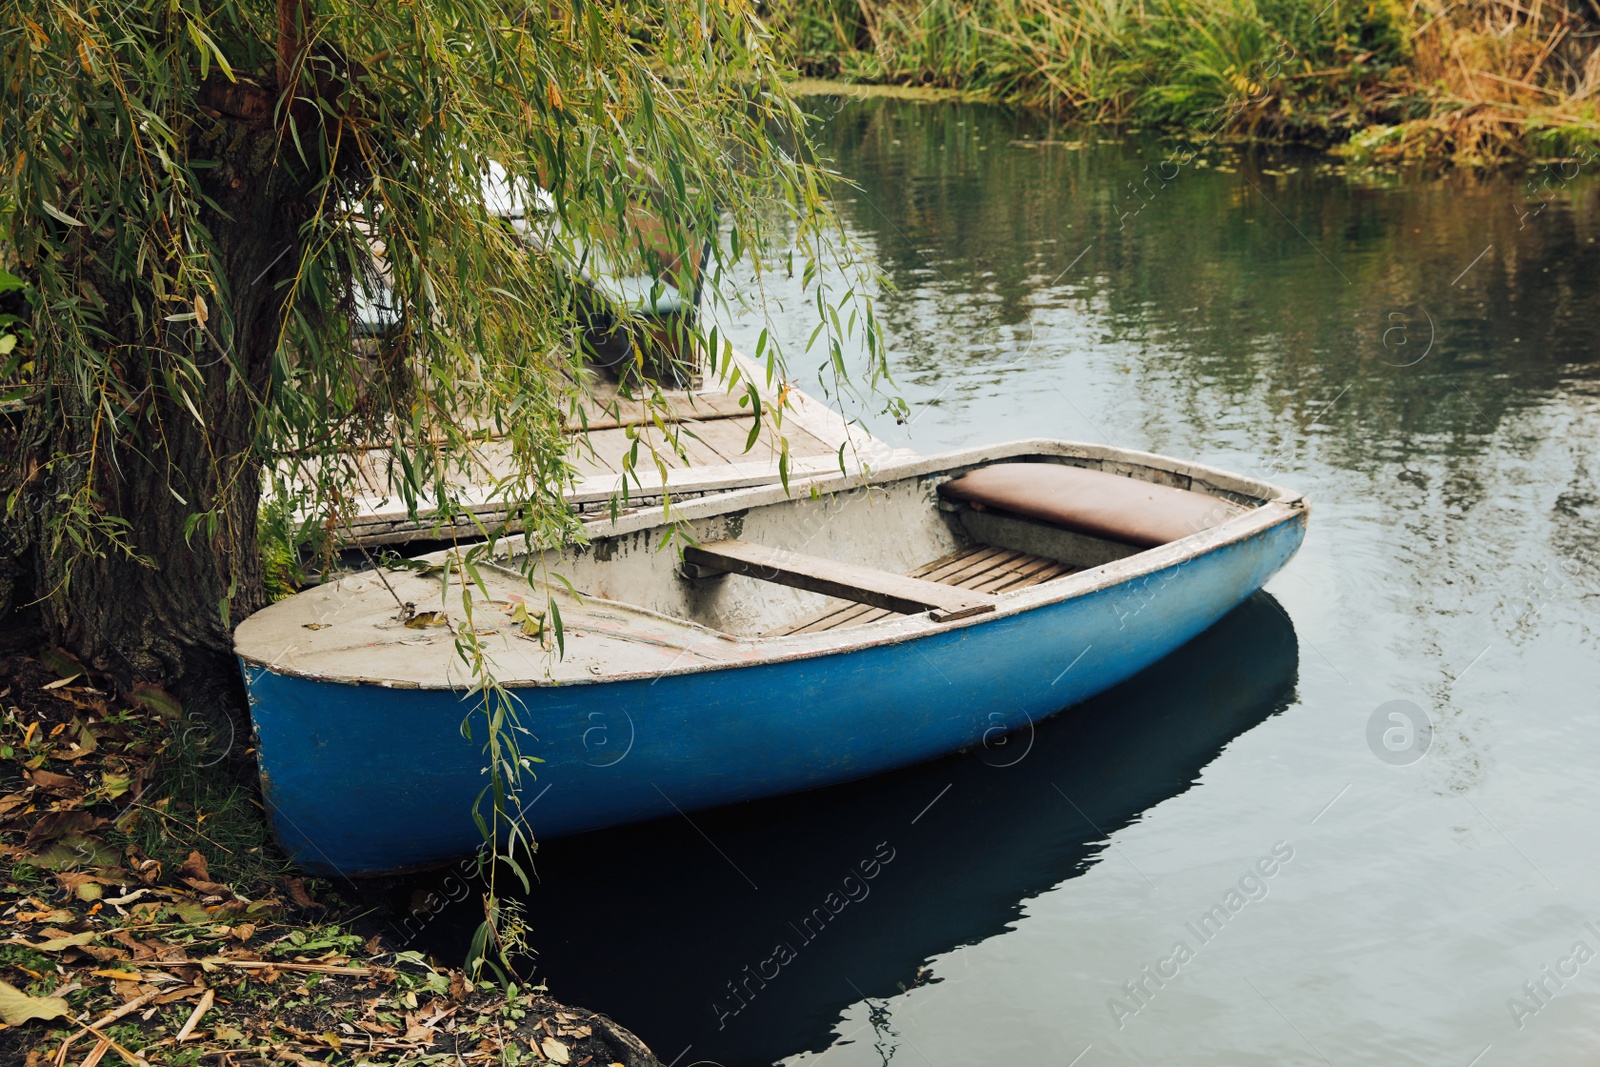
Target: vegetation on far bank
(1471, 83)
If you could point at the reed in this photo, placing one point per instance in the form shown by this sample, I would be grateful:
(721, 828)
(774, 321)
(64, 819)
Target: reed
(1495, 80)
(1471, 82)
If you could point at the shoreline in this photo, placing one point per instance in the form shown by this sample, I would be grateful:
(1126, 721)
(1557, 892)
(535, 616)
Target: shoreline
(1477, 85)
(149, 916)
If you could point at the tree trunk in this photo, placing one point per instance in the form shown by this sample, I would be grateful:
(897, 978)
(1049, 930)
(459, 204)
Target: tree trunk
(168, 618)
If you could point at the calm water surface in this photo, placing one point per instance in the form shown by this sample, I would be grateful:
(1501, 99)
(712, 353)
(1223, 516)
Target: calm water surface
(1420, 358)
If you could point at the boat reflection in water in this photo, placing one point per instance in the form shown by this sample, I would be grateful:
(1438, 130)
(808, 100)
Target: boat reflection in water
(743, 935)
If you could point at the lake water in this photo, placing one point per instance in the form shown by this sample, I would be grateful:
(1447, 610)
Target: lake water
(1351, 880)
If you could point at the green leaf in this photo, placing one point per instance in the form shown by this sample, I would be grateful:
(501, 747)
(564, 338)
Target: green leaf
(157, 700)
(59, 215)
(191, 912)
(522, 875)
(74, 851)
(560, 629)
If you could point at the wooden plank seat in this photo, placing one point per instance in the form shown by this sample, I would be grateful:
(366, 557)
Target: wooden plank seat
(849, 581)
(1096, 503)
(984, 568)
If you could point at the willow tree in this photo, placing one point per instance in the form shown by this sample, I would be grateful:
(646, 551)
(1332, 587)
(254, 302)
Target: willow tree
(202, 193)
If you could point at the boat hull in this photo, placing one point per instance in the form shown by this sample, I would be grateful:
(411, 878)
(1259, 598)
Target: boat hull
(362, 778)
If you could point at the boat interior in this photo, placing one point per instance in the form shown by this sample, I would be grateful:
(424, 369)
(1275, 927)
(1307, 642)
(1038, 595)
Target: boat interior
(951, 543)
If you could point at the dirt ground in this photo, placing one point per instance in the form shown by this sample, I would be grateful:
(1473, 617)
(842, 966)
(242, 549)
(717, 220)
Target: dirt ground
(146, 916)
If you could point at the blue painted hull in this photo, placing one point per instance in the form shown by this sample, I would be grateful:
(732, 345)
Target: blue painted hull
(362, 778)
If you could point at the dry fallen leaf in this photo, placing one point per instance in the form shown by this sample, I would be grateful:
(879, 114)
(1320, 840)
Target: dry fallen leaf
(56, 944)
(17, 1007)
(195, 867)
(297, 890)
(126, 976)
(210, 888)
(86, 744)
(105, 953)
(555, 1050)
(177, 994)
(61, 661)
(141, 951)
(74, 880)
(423, 619)
(60, 823)
(57, 915)
(59, 784)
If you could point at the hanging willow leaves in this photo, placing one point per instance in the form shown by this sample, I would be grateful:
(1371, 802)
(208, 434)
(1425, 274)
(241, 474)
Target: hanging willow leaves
(264, 239)
(267, 238)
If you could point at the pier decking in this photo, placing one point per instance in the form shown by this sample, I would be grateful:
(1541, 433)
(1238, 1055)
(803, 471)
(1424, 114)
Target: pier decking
(713, 430)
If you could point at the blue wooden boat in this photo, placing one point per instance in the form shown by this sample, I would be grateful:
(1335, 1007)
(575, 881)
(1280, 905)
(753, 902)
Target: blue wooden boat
(780, 641)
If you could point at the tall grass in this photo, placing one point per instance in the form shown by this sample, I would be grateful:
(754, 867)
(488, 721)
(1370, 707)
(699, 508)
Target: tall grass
(1474, 81)
(1497, 78)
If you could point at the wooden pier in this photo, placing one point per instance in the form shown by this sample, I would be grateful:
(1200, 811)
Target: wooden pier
(713, 429)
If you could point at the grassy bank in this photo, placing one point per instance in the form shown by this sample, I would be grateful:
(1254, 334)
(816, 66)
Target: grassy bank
(146, 916)
(1473, 82)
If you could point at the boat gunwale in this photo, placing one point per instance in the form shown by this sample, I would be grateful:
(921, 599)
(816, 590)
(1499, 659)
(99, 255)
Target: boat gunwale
(710, 506)
(1277, 506)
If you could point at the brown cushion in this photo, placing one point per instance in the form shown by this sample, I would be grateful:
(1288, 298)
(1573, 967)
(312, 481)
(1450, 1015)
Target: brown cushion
(1091, 502)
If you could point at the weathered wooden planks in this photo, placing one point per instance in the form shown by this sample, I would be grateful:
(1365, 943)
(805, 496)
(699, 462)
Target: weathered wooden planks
(982, 567)
(867, 585)
(606, 409)
(714, 430)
